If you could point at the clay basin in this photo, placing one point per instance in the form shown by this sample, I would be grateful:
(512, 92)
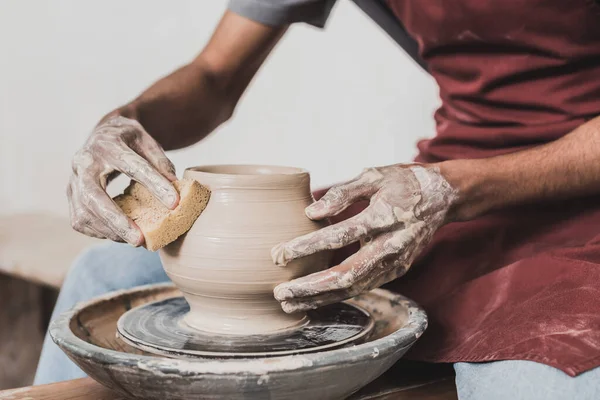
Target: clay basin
(87, 335)
(223, 265)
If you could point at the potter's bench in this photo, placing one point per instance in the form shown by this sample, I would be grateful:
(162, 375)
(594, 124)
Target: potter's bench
(402, 382)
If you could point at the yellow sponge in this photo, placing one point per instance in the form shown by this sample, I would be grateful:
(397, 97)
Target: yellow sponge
(160, 225)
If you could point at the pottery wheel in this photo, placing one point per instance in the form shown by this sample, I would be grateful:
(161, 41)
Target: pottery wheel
(159, 328)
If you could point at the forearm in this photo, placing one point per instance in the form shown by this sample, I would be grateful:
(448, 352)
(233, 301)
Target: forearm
(180, 109)
(185, 106)
(566, 168)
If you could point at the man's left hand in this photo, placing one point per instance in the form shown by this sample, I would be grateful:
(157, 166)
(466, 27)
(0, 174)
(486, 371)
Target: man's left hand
(408, 203)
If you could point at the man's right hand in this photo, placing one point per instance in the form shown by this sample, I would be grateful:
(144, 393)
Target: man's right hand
(118, 145)
(178, 110)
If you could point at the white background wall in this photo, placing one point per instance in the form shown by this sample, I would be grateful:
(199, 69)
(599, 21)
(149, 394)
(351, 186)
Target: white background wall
(331, 101)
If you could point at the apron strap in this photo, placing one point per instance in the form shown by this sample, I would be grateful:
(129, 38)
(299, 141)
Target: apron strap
(379, 12)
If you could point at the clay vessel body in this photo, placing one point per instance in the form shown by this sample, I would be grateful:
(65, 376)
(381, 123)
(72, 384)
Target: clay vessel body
(223, 264)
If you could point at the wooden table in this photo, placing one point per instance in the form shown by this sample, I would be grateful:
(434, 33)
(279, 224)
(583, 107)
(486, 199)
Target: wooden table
(402, 382)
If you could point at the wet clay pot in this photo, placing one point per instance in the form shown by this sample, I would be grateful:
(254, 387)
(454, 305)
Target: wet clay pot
(223, 264)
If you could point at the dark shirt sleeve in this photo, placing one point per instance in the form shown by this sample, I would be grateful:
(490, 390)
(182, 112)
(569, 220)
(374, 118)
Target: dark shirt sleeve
(284, 12)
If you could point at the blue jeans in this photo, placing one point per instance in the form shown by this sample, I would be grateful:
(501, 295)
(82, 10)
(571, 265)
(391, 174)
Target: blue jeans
(117, 266)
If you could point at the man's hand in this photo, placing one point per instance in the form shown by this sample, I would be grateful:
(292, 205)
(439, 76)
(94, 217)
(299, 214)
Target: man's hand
(119, 145)
(408, 203)
(177, 111)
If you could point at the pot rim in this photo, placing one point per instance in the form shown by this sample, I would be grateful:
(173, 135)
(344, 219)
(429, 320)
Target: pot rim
(267, 170)
(250, 176)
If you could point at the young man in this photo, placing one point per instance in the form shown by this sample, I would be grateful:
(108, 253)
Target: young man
(497, 220)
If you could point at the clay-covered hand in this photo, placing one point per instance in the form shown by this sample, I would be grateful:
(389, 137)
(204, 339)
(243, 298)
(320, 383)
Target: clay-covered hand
(118, 145)
(408, 203)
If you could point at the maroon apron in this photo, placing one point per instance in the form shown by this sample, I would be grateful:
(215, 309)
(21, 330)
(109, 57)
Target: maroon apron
(522, 283)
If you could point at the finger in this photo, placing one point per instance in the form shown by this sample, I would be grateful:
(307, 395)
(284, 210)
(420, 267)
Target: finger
(137, 168)
(86, 230)
(344, 276)
(394, 271)
(367, 283)
(76, 216)
(102, 207)
(149, 148)
(83, 224)
(104, 232)
(100, 232)
(157, 157)
(368, 222)
(382, 273)
(340, 197)
(395, 268)
(293, 306)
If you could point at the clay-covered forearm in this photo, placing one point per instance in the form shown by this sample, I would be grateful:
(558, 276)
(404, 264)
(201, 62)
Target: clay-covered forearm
(185, 106)
(566, 168)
